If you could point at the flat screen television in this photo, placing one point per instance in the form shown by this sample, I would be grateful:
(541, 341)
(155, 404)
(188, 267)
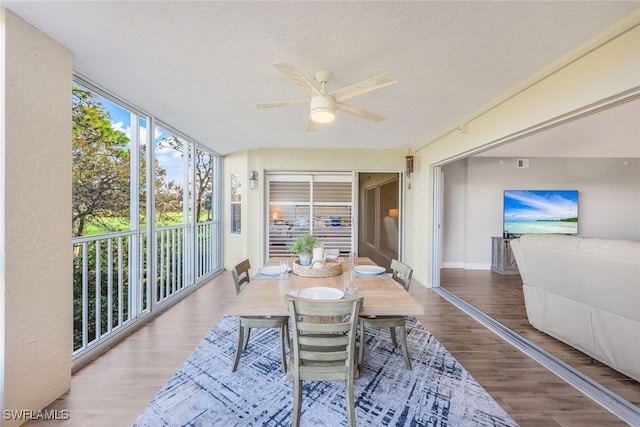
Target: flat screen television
(540, 211)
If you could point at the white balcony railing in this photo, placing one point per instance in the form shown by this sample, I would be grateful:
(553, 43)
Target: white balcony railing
(111, 286)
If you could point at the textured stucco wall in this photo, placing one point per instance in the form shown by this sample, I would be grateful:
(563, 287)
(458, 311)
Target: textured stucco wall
(37, 217)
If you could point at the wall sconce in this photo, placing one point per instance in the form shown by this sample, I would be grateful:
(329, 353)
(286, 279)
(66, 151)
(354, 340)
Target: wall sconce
(409, 164)
(253, 180)
(393, 213)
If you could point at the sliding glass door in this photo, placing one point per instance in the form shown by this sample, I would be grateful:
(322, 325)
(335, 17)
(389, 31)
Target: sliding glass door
(318, 204)
(380, 219)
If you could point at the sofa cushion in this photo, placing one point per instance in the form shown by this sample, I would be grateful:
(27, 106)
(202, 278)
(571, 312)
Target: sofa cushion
(617, 342)
(585, 292)
(562, 318)
(610, 275)
(551, 263)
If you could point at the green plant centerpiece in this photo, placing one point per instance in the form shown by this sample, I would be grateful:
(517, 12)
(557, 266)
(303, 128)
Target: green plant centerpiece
(303, 247)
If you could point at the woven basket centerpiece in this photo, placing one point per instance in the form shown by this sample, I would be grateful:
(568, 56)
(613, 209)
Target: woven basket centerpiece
(318, 269)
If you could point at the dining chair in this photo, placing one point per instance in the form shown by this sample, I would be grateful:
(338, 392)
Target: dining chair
(242, 278)
(323, 346)
(401, 273)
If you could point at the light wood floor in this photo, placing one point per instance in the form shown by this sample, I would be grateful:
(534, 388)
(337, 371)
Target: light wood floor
(114, 389)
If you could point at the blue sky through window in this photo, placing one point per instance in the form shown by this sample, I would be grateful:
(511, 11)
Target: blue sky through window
(168, 158)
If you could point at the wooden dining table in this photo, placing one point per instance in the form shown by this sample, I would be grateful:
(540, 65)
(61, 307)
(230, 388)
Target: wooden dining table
(382, 295)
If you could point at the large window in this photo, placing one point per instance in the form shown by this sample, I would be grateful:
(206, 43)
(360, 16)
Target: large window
(236, 203)
(124, 263)
(320, 204)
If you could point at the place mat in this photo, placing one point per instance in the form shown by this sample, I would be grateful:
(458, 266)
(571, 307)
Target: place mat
(372, 276)
(262, 276)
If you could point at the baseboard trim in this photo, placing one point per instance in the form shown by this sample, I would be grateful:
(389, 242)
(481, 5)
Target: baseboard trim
(466, 265)
(615, 404)
(453, 264)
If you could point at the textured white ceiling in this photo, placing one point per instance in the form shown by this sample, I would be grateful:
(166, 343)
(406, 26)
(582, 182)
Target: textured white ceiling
(199, 66)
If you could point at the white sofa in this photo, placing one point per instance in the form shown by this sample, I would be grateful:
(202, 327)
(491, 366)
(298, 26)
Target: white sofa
(586, 293)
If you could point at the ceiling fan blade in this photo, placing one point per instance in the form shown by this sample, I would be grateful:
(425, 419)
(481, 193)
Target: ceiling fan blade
(360, 112)
(281, 103)
(363, 87)
(298, 78)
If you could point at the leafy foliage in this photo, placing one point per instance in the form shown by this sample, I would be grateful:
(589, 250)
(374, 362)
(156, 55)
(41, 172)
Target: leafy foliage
(101, 156)
(165, 193)
(304, 244)
(101, 180)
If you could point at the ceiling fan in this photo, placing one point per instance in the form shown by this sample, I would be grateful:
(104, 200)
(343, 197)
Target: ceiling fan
(323, 104)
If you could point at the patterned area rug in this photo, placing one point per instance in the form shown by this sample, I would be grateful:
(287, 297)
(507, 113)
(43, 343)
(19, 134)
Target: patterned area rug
(438, 391)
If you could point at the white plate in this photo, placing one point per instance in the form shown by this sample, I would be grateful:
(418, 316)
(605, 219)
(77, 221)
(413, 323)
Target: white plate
(369, 269)
(270, 270)
(332, 256)
(321, 292)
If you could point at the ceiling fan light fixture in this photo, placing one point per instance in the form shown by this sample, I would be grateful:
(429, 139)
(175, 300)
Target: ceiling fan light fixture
(323, 109)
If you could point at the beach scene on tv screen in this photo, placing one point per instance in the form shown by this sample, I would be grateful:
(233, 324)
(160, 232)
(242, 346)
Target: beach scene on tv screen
(541, 211)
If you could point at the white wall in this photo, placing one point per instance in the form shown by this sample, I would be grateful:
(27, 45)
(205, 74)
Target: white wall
(594, 73)
(3, 183)
(36, 223)
(608, 201)
(235, 245)
(253, 229)
(454, 214)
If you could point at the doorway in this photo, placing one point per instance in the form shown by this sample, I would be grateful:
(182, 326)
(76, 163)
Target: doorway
(379, 219)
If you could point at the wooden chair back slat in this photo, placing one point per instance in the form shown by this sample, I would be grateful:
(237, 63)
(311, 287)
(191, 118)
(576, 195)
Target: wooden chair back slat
(315, 342)
(241, 275)
(401, 273)
(323, 346)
